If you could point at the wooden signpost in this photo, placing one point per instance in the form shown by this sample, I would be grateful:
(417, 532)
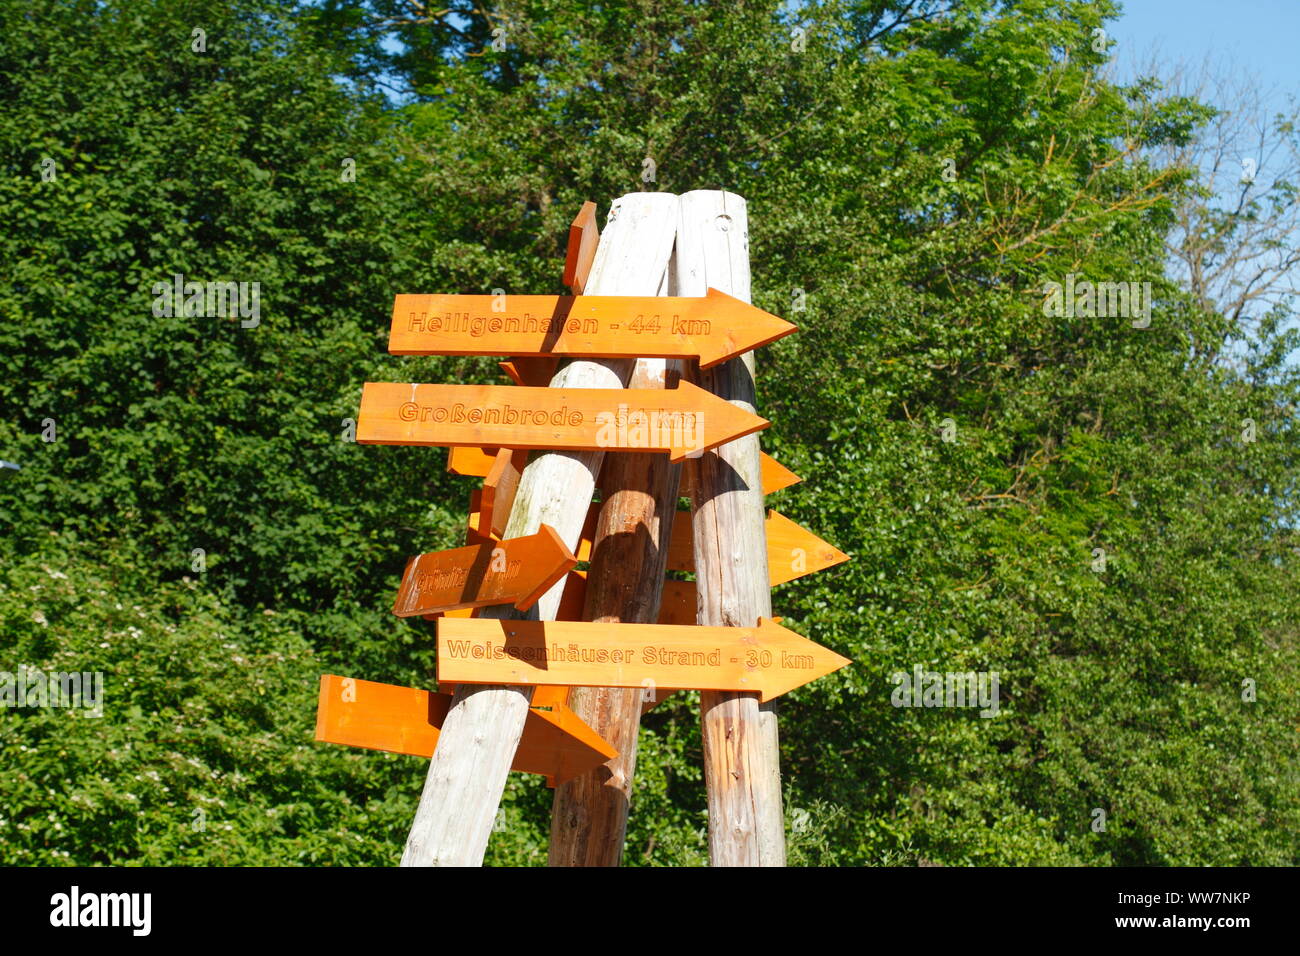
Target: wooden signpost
(522, 633)
(639, 494)
(468, 771)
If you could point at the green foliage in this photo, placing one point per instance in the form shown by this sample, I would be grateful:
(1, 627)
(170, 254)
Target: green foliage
(204, 753)
(919, 179)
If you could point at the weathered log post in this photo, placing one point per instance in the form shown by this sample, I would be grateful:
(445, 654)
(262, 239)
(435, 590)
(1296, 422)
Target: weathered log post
(467, 774)
(741, 756)
(628, 561)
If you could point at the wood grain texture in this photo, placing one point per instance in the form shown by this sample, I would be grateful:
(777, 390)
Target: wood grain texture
(499, 488)
(589, 814)
(481, 733)
(584, 239)
(676, 605)
(741, 756)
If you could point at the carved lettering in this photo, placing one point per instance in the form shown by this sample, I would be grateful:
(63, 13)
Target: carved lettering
(460, 414)
(478, 325)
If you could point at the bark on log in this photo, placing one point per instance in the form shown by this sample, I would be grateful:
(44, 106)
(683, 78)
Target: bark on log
(629, 557)
(741, 755)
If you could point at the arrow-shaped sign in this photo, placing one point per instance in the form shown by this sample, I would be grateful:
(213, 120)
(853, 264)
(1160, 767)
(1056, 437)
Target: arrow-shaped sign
(516, 571)
(773, 475)
(714, 327)
(769, 659)
(681, 421)
(406, 720)
(470, 462)
(792, 550)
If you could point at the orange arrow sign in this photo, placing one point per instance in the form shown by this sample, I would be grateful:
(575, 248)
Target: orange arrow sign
(773, 475)
(792, 550)
(469, 462)
(715, 327)
(681, 421)
(405, 720)
(768, 659)
(517, 571)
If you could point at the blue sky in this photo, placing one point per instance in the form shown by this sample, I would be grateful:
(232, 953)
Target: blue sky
(1259, 39)
(1260, 36)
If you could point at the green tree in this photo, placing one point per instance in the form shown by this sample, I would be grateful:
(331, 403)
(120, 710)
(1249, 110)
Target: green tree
(1095, 507)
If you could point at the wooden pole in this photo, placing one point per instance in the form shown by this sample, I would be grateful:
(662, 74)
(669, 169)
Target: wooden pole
(477, 743)
(742, 772)
(625, 584)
